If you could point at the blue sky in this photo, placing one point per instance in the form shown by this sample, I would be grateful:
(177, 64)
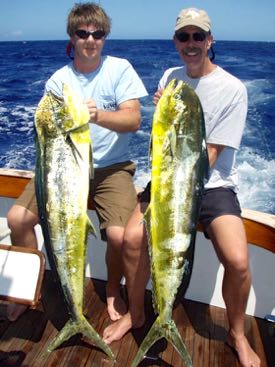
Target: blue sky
(250, 20)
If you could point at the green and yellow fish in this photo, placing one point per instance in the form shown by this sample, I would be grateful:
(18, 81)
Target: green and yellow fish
(62, 175)
(179, 166)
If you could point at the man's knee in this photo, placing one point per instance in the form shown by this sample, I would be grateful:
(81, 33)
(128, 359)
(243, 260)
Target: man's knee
(20, 217)
(239, 264)
(115, 237)
(134, 239)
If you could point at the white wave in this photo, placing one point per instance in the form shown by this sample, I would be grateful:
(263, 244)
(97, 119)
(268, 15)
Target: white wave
(3, 109)
(257, 182)
(19, 157)
(143, 133)
(256, 91)
(24, 111)
(39, 82)
(231, 60)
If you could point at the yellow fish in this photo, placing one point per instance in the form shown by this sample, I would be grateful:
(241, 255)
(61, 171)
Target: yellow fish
(179, 166)
(62, 186)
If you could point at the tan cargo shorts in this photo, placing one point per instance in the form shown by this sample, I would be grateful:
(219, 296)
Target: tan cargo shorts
(112, 195)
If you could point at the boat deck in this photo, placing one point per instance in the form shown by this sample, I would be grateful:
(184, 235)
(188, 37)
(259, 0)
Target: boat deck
(203, 329)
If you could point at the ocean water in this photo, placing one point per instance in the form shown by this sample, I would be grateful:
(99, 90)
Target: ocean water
(25, 66)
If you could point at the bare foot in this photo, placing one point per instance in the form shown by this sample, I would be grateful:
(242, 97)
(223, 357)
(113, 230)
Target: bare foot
(15, 310)
(119, 328)
(115, 305)
(247, 356)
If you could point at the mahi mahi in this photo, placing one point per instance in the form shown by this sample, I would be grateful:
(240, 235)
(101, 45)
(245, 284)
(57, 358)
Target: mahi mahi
(63, 164)
(179, 166)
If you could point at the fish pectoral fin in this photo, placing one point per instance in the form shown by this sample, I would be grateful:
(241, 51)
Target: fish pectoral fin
(170, 143)
(150, 150)
(173, 141)
(147, 220)
(91, 227)
(75, 151)
(169, 331)
(147, 213)
(91, 170)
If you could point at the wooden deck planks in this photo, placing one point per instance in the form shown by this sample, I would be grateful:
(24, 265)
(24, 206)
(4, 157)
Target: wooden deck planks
(203, 329)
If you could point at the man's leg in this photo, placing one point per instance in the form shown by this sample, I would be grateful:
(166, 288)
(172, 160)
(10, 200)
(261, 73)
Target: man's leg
(114, 198)
(228, 236)
(21, 222)
(115, 305)
(137, 272)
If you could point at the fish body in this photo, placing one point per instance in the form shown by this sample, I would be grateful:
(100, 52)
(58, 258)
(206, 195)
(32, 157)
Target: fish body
(179, 166)
(62, 187)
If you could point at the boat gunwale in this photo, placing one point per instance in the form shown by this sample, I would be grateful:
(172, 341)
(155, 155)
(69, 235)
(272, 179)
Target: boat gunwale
(259, 226)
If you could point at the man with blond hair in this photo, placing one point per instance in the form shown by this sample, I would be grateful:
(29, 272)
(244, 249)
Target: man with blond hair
(111, 89)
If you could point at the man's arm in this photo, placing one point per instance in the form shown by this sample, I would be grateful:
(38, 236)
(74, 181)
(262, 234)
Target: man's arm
(126, 118)
(214, 151)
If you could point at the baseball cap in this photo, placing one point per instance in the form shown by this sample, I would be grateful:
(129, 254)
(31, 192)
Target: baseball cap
(193, 16)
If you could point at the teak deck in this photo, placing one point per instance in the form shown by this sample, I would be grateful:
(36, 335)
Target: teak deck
(203, 329)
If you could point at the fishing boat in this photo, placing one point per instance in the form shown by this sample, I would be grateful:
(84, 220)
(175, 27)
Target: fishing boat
(200, 316)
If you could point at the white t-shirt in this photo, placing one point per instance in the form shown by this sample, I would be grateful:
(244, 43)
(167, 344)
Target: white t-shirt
(224, 102)
(113, 82)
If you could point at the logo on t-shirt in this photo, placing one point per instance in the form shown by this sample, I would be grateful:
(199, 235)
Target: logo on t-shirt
(109, 106)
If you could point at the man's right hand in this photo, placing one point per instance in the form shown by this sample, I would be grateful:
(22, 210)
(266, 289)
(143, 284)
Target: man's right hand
(157, 96)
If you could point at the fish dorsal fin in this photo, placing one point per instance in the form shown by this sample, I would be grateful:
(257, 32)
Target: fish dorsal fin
(92, 172)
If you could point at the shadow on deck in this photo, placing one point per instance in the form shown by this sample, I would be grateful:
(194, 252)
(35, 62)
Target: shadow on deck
(202, 327)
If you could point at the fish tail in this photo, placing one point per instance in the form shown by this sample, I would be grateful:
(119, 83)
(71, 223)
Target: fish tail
(73, 327)
(91, 334)
(174, 337)
(167, 330)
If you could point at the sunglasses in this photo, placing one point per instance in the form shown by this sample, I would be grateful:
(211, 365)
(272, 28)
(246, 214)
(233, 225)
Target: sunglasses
(184, 36)
(97, 35)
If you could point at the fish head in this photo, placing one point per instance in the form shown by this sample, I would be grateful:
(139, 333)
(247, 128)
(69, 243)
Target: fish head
(61, 114)
(165, 111)
(179, 116)
(47, 114)
(189, 120)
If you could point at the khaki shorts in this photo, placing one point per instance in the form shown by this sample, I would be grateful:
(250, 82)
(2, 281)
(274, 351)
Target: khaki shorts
(112, 195)
(28, 199)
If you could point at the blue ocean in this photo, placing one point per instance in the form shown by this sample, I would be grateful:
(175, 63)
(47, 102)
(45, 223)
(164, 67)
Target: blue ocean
(25, 66)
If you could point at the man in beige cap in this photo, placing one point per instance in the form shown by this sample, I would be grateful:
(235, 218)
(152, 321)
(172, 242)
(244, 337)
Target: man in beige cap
(224, 101)
(194, 17)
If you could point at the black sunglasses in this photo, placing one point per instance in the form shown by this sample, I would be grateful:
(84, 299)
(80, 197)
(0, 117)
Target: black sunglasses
(184, 36)
(97, 35)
